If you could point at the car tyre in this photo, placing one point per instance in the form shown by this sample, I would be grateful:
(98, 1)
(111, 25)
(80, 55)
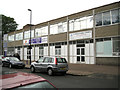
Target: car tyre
(10, 65)
(3, 65)
(50, 72)
(32, 69)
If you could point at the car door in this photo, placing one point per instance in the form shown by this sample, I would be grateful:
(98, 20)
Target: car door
(38, 64)
(45, 64)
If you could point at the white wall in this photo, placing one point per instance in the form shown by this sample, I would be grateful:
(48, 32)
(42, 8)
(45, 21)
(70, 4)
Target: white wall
(25, 53)
(89, 53)
(45, 51)
(36, 53)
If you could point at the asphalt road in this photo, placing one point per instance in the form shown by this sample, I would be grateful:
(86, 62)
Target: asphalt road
(70, 81)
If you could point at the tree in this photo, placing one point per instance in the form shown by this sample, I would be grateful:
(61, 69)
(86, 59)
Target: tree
(8, 24)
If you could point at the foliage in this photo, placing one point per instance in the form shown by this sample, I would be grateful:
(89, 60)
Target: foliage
(8, 24)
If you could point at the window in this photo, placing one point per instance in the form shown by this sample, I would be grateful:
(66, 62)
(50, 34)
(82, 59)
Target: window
(19, 36)
(71, 25)
(11, 38)
(116, 46)
(53, 29)
(27, 34)
(115, 16)
(46, 60)
(90, 22)
(106, 18)
(41, 51)
(41, 31)
(83, 23)
(57, 50)
(41, 60)
(98, 19)
(77, 24)
(58, 28)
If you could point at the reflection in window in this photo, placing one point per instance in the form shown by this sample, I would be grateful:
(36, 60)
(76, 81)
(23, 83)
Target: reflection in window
(90, 22)
(106, 18)
(98, 19)
(83, 23)
(115, 17)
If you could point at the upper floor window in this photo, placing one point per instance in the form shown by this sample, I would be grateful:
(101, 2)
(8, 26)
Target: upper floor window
(58, 28)
(81, 23)
(98, 19)
(41, 31)
(108, 17)
(19, 36)
(27, 34)
(11, 38)
(115, 16)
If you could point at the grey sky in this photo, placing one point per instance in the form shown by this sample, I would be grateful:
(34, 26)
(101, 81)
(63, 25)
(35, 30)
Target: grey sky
(45, 10)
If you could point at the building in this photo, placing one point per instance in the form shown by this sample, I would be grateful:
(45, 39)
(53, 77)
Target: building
(87, 37)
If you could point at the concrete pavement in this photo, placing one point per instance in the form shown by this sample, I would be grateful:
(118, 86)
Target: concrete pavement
(87, 69)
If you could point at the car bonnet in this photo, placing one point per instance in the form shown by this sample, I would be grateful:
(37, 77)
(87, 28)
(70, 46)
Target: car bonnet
(19, 79)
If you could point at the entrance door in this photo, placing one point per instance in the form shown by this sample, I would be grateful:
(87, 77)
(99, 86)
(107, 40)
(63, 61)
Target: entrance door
(81, 54)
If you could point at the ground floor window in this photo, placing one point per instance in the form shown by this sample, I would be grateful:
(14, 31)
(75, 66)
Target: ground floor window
(57, 50)
(41, 51)
(108, 46)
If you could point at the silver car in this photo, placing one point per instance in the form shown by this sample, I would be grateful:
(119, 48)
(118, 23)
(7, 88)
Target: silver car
(50, 65)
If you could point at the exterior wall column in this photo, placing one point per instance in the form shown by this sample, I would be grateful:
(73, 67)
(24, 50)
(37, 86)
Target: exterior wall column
(94, 41)
(48, 39)
(68, 54)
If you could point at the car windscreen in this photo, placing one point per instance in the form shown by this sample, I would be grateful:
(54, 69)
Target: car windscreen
(14, 59)
(40, 85)
(61, 60)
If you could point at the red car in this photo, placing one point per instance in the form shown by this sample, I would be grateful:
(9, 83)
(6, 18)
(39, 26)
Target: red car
(21, 81)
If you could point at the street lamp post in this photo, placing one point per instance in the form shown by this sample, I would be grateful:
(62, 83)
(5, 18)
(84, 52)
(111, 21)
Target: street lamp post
(30, 33)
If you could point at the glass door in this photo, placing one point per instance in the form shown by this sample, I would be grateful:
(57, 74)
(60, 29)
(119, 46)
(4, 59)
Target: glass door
(81, 54)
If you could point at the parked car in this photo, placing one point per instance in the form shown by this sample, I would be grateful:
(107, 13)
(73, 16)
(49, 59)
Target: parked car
(50, 65)
(21, 81)
(1, 58)
(12, 62)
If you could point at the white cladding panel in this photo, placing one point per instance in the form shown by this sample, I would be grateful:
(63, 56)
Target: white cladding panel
(71, 49)
(65, 46)
(21, 53)
(91, 49)
(32, 53)
(45, 51)
(87, 50)
(64, 50)
(51, 50)
(25, 53)
(36, 53)
(16, 50)
(74, 50)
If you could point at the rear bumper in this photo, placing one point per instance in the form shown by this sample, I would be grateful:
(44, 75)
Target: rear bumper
(60, 69)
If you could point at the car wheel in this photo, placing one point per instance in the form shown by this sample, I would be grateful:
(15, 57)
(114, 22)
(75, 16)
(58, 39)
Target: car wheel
(10, 65)
(32, 69)
(50, 72)
(2, 64)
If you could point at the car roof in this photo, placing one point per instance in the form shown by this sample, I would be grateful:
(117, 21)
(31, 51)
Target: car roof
(19, 79)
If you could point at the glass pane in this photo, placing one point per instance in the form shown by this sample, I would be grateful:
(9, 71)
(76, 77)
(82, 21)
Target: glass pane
(82, 51)
(106, 18)
(98, 19)
(90, 22)
(116, 45)
(115, 17)
(78, 51)
(108, 48)
(78, 58)
(82, 58)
